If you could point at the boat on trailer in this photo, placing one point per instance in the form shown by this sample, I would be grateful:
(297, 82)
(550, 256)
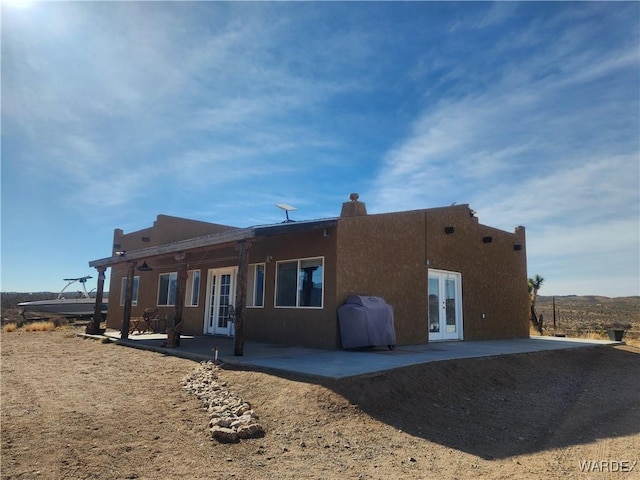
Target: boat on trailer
(82, 306)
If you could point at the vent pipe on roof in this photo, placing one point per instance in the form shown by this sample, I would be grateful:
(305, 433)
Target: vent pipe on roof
(353, 208)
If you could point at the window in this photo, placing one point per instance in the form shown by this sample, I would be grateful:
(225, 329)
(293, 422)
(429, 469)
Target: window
(192, 289)
(286, 284)
(167, 288)
(123, 291)
(255, 286)
(299, 283)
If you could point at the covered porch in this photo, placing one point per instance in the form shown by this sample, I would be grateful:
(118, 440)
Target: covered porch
(165, 275)
(178, 255)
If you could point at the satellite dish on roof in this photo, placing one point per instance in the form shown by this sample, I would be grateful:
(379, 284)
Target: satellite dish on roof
(287, 208)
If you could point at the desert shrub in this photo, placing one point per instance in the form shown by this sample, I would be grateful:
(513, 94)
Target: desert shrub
(60, 321)
(10, 327)
(39, 327)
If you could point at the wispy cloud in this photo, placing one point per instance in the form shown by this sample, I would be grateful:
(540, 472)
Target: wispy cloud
(217, 99)
(598, 190)
(474, 19)
(527, 111)
(515, 126)
(551, 143)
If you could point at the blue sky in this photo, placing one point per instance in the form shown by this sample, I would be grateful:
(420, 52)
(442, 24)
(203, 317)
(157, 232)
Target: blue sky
(115, 112)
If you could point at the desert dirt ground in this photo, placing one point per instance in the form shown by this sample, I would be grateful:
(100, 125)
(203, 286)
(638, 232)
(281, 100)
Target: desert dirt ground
(78, 408)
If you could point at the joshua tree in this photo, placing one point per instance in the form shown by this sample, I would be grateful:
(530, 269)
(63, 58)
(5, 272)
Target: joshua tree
(534, 285)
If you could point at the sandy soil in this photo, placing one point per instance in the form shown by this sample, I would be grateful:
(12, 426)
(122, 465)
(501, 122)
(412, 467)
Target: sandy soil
(75, 408)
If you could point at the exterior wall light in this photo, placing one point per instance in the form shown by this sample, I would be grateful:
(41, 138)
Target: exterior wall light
(449, 230)
(487, 239)
(144, 267)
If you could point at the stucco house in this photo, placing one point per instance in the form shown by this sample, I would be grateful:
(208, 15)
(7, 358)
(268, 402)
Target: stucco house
(447, 276)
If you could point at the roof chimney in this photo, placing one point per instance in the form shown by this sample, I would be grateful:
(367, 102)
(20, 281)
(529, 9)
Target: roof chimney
(353, 208)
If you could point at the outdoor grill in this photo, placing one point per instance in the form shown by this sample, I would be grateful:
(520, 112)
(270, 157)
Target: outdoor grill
(366, 321)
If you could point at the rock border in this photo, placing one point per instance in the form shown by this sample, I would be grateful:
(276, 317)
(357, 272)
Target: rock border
(231, 418)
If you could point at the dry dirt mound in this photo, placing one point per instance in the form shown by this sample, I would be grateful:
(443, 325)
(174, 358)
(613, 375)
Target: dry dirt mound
(74, 408)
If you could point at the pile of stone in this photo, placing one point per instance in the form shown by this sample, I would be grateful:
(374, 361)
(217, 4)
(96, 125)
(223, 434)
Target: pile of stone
(232, 419)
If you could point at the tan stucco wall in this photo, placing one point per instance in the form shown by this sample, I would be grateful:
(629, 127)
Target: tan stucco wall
(494, 275)
(383, 255)
(299, 326)
(165, 229)
(388, 255)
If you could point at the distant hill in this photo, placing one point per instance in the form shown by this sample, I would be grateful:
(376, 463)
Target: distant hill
(591, 314)
(591, 298)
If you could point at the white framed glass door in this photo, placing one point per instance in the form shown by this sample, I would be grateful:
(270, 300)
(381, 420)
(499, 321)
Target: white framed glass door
(445, 305)
(221, 287)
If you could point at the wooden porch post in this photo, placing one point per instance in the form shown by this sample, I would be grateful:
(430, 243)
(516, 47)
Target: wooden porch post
(128, 299)
(94, 327)
(241, 295)
(173, 333)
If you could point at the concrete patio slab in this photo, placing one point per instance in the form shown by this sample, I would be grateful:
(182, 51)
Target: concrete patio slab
(338, 364)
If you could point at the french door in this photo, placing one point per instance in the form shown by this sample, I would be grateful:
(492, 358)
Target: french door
(445, 305)
(221, 287)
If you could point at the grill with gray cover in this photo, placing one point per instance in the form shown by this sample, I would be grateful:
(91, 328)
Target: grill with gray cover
(366, 321)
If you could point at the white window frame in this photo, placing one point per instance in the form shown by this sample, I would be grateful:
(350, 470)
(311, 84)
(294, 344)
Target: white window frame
(251, 284)
(123, 291)
(192, 289)
(175, 274)
(297, 305)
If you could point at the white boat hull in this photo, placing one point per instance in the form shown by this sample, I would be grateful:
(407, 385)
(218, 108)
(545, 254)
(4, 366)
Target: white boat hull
(71, 307)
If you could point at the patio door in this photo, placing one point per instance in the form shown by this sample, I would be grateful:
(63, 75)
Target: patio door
(445, 305)
(221, 288)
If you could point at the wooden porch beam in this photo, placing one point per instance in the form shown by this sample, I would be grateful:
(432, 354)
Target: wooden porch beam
(241, 295)
(218, 240)
(222, 239)
(173, 333)
(94, 327)
(128, 300)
